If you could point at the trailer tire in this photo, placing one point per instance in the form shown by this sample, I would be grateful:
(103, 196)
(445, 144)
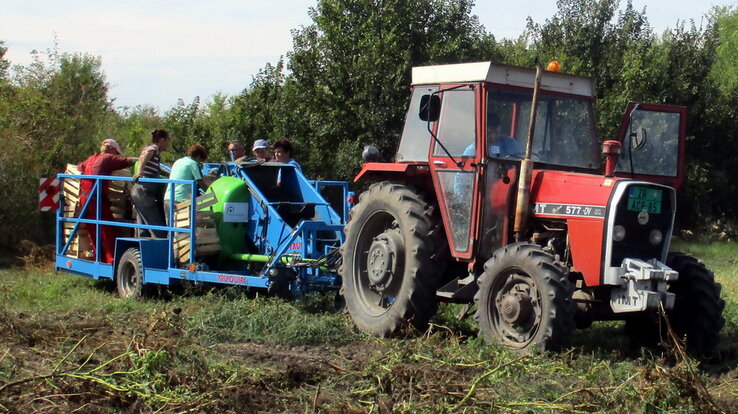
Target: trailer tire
(697, 314)
(393, 258)
(129, 276)
(525, 300)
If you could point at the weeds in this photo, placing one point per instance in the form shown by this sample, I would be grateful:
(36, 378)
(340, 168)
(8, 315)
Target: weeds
(237, 319)
(68, 343)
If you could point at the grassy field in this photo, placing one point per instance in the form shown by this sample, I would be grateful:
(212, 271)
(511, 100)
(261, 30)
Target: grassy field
(67, 343)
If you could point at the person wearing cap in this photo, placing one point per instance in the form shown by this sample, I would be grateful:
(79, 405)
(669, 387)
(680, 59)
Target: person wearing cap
(261, 150)
(103, 163)
(283, 151)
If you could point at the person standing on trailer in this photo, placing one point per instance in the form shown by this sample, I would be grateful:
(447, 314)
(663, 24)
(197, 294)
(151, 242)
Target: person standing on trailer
(186, 168)
(147, 196)
(104, 163)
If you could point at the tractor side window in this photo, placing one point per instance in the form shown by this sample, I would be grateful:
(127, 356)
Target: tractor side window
(653, 140)
(457, 187)
(415, 135)
(456, 126)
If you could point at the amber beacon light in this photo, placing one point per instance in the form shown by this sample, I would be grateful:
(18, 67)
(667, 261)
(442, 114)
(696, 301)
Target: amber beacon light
(553, 66)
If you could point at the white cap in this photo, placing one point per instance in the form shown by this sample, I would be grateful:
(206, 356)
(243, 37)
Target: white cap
(260, 143)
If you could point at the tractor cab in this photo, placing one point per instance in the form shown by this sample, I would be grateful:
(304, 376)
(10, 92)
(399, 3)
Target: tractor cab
(479, 115)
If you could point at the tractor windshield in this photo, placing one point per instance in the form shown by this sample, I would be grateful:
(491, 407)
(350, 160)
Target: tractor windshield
(564, 134)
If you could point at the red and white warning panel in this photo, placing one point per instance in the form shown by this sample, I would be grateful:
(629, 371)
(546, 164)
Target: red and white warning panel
(48, 194)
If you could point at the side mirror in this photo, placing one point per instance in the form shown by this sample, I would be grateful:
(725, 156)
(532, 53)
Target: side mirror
(430, 108)
(638, 138)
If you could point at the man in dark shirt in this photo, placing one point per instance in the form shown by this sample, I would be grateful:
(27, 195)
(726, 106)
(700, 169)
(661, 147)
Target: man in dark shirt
(104, 163)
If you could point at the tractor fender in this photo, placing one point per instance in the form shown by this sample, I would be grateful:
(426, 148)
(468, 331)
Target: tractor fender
(388, 170)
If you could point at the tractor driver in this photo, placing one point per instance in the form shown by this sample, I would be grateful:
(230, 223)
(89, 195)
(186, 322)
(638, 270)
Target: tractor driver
(498, 145)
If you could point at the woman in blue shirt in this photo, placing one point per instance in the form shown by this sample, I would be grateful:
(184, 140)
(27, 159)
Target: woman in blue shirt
(185, 168)
(283, 153)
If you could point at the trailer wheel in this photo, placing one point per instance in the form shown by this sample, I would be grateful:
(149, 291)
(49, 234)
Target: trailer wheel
(697, 314)
(129, 277)
(393, 258)
(525, 300)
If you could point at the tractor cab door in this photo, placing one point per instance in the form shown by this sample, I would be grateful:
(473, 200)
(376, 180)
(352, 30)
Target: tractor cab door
(455, 169)
(653, 141)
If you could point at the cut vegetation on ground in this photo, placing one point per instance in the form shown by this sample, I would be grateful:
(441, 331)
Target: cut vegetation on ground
(67, 343)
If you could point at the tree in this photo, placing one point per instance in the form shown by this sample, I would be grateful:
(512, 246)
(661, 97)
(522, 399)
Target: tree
(4, 63)
(724, 70)
(351, 73)
(54, 111)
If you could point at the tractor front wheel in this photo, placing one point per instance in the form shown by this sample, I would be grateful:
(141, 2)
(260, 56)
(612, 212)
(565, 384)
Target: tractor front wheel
(525, 300)
(393, 258)
(129, 277)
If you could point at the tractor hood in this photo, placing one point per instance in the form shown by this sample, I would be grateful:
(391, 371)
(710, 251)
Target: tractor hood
(566, 194)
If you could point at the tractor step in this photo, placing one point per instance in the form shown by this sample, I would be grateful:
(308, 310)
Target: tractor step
(459, 289)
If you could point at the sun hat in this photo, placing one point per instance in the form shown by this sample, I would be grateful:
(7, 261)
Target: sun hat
(111, 143)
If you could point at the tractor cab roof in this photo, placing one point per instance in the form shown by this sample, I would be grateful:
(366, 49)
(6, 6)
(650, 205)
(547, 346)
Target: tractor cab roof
(503, 75)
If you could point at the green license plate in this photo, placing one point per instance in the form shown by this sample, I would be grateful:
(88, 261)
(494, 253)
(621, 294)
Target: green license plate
(645, 199)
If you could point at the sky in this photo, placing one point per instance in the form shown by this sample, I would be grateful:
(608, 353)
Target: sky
(155, 52)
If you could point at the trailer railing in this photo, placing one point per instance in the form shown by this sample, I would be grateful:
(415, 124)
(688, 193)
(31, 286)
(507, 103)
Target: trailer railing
(96, 196)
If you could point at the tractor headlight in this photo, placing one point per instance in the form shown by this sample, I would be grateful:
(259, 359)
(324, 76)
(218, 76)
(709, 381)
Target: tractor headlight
(618, 233)
(656, 237)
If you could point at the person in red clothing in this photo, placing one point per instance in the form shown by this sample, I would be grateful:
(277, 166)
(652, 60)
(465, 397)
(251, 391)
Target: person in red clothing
(104, 163)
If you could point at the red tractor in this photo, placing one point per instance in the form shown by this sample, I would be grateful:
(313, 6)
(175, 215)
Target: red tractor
(496, 201)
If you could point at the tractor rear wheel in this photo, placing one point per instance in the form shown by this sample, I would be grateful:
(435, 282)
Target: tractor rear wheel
(525, 300)
(697, 314)
(393, 258)
(129, 277)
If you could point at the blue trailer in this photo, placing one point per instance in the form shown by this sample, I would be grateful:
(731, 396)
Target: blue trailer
(273, 228)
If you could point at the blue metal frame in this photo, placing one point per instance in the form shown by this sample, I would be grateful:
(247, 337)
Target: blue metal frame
(302, 247)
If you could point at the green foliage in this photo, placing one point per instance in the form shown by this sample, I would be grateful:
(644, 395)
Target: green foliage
(351, 72)
(132, 128)
(53, 112)
(237, 318)
(4, 63)
(724, 70)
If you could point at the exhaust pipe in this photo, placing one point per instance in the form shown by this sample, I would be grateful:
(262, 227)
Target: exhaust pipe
(522, 207)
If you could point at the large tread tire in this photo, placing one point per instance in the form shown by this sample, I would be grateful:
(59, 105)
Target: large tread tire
(393, 288)
(697, 315)
(129, 276)
(644, 331)
(525, 300)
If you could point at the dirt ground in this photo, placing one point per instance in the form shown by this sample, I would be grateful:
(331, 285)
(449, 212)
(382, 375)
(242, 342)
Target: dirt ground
(129, 361)
(84, 363)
